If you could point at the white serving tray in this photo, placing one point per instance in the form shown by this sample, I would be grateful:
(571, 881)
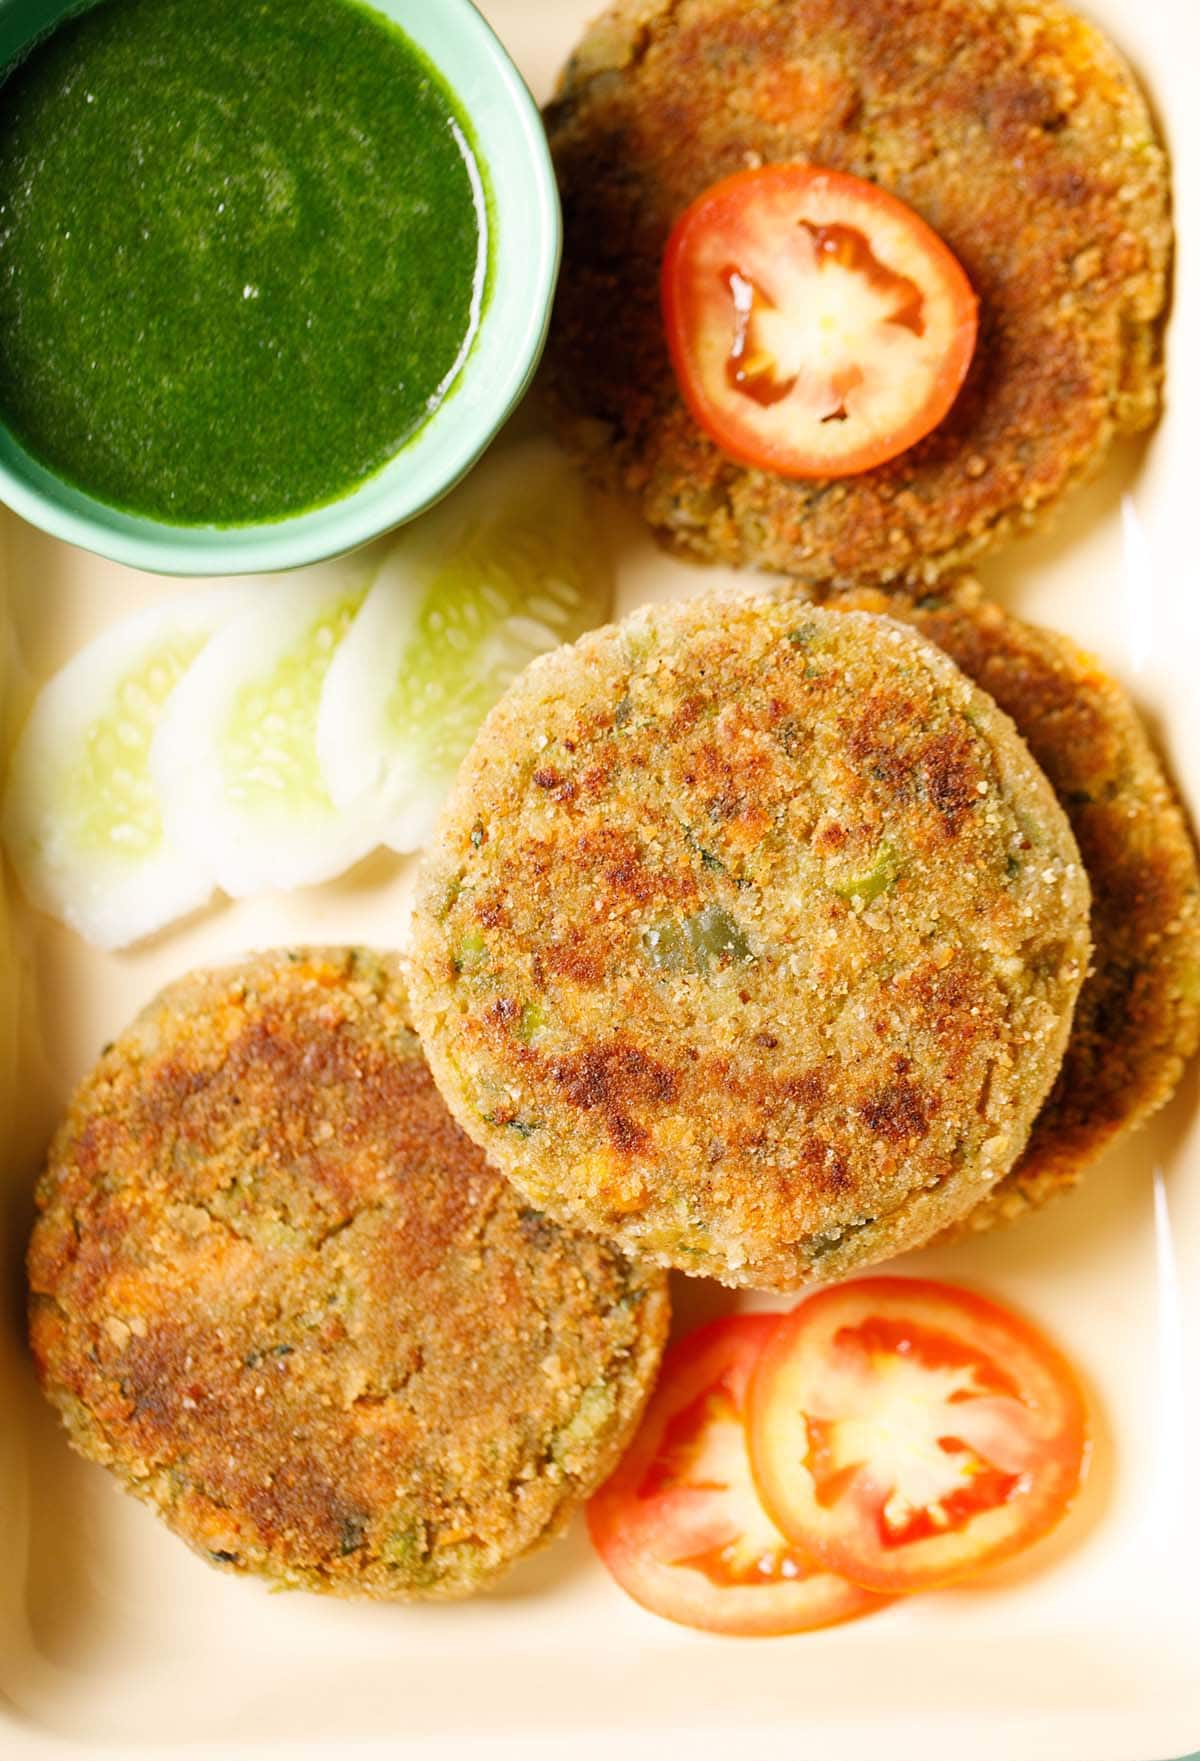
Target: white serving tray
(114, 1638)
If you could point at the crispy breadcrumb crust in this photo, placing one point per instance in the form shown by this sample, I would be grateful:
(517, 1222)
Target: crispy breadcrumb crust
(750, 936)
(1137, 1021)
(280, 1295)
(1011, 126)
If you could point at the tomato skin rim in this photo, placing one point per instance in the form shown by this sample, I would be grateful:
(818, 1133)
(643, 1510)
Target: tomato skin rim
(1061, 1474)
(738, 441)
(687, 1370)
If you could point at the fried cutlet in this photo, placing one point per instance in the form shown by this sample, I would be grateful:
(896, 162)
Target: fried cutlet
(1011, 126)
(282, 1297)
(750, 936)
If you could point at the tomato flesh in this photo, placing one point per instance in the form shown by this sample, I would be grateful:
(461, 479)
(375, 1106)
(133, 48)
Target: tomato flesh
(680, 1525)
(817, 326)
(904, 1433)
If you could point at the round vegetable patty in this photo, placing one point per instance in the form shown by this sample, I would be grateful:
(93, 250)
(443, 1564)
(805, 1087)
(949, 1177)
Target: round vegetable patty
(751, 936)
(1011, 127)
(278, 1292)
(1137, 1021)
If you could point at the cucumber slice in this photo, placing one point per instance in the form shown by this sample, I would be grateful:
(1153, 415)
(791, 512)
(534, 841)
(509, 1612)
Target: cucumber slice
(509, 566)
(83, 816)
(235, 756)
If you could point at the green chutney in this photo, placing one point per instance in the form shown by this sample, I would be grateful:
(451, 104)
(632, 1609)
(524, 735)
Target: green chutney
(243, 253)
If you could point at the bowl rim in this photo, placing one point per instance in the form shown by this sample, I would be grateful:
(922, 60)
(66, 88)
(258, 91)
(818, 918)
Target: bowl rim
(57, 506)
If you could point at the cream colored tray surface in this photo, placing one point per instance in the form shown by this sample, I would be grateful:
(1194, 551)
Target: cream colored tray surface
(113, 1636)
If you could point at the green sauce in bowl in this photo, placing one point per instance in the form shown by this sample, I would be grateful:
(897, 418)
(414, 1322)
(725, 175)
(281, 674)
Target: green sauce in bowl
(243, 253)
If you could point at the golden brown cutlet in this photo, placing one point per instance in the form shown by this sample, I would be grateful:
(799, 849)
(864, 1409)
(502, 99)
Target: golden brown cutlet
(1011, 126)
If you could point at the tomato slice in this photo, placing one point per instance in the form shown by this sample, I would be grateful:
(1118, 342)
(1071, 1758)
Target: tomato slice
(817, 326)
(680, 1526)
(904, 1433)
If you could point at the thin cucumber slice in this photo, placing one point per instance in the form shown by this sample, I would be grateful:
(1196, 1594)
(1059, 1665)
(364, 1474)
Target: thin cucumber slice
(509, 566)
(235, 757)
(83, 817)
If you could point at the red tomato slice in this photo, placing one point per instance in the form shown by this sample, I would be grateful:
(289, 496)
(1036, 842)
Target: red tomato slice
(904, 1433)
(680, 1525)
(817, 326)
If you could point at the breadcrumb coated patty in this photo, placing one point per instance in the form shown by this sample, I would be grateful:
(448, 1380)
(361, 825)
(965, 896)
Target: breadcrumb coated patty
(1137, 1021)
(1011, 126)
(750, 936)
(282, 1297)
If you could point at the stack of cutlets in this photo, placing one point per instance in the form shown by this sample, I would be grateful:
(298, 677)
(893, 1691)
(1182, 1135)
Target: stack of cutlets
(756, 937)
(771, 949)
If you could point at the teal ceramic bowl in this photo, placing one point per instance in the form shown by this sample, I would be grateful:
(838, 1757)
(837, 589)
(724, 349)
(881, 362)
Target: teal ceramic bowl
(525, 245)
